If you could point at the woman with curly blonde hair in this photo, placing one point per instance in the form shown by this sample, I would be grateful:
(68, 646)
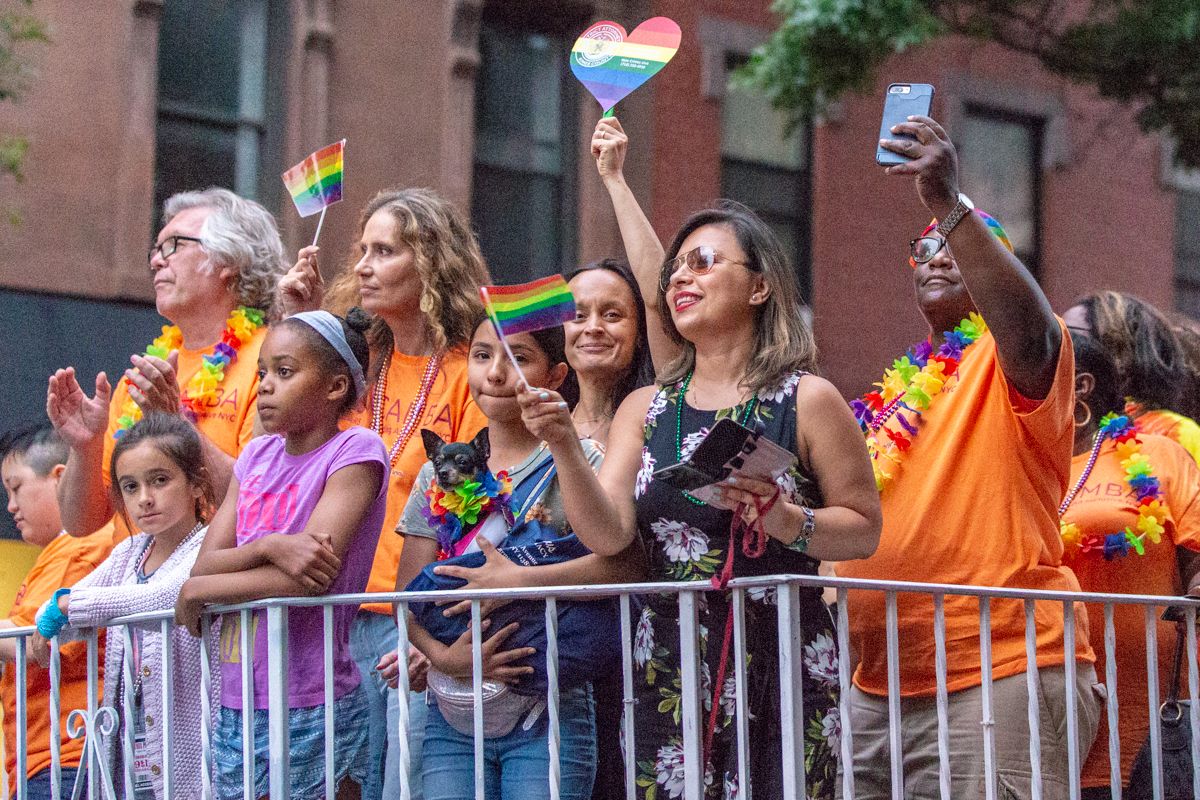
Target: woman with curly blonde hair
(417, 269)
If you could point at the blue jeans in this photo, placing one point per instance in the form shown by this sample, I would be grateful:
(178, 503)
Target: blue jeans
(371, 636)
(517, 765)
(39, 785)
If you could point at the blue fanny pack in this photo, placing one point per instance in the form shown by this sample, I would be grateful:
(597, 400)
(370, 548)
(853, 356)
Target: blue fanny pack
(589, 633)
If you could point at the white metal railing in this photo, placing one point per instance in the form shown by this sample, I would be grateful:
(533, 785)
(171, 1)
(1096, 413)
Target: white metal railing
(97, 723)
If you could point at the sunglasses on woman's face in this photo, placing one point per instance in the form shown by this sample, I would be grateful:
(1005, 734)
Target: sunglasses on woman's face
(922, 250)
(699, 261)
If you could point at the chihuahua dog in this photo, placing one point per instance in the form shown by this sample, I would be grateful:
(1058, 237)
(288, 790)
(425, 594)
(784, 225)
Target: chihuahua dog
(456, 462)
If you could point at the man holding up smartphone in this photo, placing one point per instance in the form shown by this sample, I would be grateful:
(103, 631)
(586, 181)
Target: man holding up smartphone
(970, 500)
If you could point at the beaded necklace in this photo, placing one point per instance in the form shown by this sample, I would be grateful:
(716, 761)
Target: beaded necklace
(910, 385)
(1152, 510)
(751, 404)
(379, 396)
(201, 388)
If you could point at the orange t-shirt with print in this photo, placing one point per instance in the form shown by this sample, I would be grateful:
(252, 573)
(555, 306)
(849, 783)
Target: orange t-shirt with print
(1106, 505)
(228, 419)
(973, 502)
(61, 563)
(1180, 429)
(449, 412)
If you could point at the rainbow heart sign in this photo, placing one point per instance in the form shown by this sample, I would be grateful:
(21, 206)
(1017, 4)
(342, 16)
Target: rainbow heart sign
(612, 64)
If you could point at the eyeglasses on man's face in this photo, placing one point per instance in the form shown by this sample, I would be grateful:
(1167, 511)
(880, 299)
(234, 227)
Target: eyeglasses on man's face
(699, 261)
(923, 249)
(167, 247)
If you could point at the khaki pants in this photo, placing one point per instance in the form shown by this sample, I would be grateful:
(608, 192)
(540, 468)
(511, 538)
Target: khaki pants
(919, 725)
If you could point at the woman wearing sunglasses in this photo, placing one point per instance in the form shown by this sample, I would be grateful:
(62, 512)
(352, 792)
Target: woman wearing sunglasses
(731, 304)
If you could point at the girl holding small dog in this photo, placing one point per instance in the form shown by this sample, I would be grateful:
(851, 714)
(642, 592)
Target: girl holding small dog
(525, 492)
(163, 489)
(301, 518)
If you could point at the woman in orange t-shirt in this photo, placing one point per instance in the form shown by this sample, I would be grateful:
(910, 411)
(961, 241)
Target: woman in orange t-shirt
(417, 269)
(1153, 371)
(1121, 529)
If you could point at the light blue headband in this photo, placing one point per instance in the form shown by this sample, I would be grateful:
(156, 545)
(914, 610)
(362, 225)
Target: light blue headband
(330, 328)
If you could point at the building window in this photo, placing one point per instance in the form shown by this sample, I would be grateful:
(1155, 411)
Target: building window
(1187, 253)
(526, 113)
(1001, 158)
(213, 88)
(767, 168)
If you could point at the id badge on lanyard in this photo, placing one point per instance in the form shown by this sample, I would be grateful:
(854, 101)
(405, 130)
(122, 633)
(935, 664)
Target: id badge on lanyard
(143, 780)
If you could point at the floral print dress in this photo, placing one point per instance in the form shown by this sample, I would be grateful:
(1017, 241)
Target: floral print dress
(685, 541)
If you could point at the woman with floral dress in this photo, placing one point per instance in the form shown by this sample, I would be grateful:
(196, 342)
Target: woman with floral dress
(731, 302)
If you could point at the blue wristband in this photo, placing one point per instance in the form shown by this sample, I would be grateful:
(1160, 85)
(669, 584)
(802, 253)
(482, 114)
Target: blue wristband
(51, 619)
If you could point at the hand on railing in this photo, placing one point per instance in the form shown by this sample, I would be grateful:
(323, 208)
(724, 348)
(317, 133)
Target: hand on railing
(188, 609)
(418, 667)
(39, 650)
(497, 572)
(455, 660)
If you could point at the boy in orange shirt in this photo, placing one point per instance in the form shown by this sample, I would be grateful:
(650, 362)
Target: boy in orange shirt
(31, 462)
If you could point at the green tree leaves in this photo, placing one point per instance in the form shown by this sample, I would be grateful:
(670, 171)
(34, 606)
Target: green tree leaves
(1140, 52)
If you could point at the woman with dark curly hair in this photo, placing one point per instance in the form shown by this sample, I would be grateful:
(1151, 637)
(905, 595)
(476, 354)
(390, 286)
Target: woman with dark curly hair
(1153, 371)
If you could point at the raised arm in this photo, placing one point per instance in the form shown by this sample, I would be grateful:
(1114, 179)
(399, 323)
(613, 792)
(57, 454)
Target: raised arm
(1028, 337)
(599, 507)
(642, 246)
(81, 421)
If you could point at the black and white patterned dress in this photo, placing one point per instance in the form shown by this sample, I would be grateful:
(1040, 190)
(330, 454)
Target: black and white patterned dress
(685, 541)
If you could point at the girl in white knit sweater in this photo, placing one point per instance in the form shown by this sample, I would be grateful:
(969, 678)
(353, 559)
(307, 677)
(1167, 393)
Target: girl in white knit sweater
(163, 489)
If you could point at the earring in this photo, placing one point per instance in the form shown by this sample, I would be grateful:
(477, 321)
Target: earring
(1075, 414)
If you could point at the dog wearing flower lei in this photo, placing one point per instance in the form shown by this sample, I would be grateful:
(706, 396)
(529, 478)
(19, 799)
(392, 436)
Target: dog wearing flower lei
(909, 387)
(457, 512)
(201, 387)
(1139, 475)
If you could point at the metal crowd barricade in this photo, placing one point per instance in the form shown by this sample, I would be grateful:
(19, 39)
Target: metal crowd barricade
(98, 723)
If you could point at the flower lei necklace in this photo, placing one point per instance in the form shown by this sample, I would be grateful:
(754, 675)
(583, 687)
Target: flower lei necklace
(202, 387)
(1152, 510)
(910, 385)
(455, 513)
(379, 397)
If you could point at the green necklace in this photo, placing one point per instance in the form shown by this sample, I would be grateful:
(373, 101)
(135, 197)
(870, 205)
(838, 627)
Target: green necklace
(679, 401)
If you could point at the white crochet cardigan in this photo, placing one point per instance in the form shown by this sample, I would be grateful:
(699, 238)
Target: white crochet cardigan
(112, 590)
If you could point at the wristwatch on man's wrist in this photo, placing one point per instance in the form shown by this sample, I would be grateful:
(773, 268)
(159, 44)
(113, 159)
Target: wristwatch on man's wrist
(963, 207)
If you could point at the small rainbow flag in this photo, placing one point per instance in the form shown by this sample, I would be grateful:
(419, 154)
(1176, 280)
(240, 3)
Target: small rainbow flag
(529, 307)
(611, 64)
(316, 182)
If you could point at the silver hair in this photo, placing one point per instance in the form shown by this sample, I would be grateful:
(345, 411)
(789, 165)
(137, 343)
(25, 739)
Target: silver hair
(240, 234)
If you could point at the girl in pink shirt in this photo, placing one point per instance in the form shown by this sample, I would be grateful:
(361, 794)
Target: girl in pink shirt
(302, 517)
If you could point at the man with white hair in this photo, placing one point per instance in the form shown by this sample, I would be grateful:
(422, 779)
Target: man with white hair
(215, 264)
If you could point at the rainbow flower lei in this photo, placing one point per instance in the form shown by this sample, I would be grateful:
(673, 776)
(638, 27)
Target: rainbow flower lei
(1139, 474)
(455, 513)
(909, 387)
(202, 387)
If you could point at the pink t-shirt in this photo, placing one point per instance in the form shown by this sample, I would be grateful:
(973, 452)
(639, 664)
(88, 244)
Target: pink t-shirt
(277, 494)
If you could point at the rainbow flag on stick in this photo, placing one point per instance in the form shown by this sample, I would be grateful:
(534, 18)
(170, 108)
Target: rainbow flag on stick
(316, 182)
(543, 303)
